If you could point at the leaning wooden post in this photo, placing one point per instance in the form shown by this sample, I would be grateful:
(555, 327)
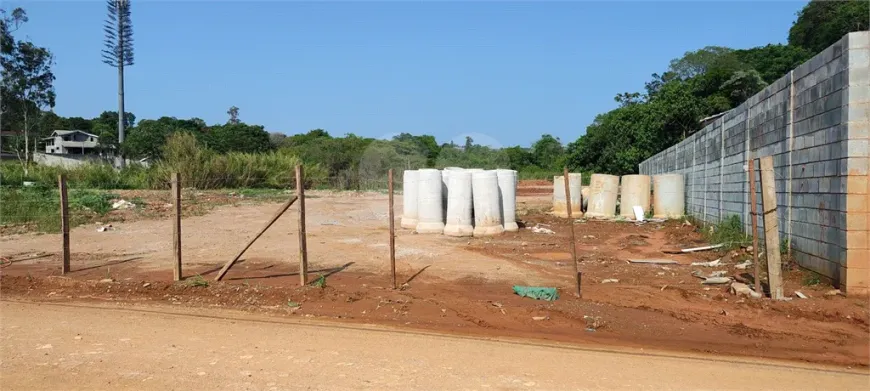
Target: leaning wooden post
(771, 228)
(271, 221)
(754, 213)
(175, 192)
(64, 221)
(303, 247)
(392, 232)
(571, 223)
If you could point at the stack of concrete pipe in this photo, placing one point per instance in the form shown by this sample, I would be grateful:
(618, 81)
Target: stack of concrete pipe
(459, 202)
(604, 193)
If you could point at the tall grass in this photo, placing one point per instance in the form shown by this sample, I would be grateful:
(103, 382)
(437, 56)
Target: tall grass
(199, 167)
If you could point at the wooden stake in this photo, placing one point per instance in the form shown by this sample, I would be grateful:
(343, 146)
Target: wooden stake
(64, 221)
(175, 192)
(754, 213)
(392, 232)
(303, 246)
(571, 223)
(274, 218)
(771, 228)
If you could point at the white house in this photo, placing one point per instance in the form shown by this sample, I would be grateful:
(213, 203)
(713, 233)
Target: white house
(72, 142)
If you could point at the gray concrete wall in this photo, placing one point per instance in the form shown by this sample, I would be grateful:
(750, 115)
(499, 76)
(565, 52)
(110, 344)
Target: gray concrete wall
(813, 122)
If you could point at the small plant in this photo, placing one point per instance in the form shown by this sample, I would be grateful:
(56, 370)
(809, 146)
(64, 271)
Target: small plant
(292, 304)
(812, 279)
(139, 202)
(197, 281)
(784, 246)
(320, 282)
(729, 232)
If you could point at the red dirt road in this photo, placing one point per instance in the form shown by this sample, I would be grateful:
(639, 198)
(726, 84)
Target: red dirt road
(459, 286)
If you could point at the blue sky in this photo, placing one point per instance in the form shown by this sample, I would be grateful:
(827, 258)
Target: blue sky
(506, 72)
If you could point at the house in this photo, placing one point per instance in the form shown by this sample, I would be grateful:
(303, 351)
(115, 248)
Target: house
(72, 142)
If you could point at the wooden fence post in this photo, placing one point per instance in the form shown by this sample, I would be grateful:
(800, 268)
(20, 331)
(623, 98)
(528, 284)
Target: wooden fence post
(176, 225)
(303, 246)
(754, 213)
(571, 223)
(392, 232)
(771, 228)
(64, 221)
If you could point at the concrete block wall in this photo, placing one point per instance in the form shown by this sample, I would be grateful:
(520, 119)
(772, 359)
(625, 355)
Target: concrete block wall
(815, 123)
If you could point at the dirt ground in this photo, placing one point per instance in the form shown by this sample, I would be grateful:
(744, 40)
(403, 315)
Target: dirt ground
(447, 284)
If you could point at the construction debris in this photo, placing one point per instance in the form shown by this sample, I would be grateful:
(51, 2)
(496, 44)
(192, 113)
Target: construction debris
(741, 289)
(123, 204)
(744, 265)
(800, 295)
(834, 292)
(538, 293)
(638, 212)
(654, 261)
(609, 280)
(691, 250)
(541, 230)
(715, 263)
(716, 280)
(540, 318)
(105, 228)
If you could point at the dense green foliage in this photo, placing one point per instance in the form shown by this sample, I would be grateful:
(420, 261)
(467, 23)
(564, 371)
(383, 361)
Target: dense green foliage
(821, 23)
(702, 83)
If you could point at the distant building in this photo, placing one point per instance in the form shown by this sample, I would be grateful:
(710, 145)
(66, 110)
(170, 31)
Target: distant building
(72, 142)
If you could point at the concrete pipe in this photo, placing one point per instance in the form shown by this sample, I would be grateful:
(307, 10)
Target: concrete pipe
(409, 199)
(635, 191)
(507, 193)
(484, 189)
(430, 214)
(670, 198)
(459, 204)
(560, 207)
(603, 190)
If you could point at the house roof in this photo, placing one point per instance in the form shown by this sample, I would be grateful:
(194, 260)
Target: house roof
(66, 132)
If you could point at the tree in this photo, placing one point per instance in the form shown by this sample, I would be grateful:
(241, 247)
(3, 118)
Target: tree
(233, 112)
(276, 139)
(547, 152)
(742, 85)
(239, 137)
(698, 62)
(821, 23)
(773, 61)
(119, 50)
(28, 84)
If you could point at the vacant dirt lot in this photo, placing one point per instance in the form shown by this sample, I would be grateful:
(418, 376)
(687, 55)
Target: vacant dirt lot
(450, 285)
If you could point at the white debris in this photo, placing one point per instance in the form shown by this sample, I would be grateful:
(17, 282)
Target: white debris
(719, 273)
(609, 280)
(105, 228)
(741, 289)
(541, 230)
(540, 318)
(800, 295)
(716, 280)
(833, 292)
(123, 204)
(744, 265)
(106, 281)
(708, 264)
(638, 212)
